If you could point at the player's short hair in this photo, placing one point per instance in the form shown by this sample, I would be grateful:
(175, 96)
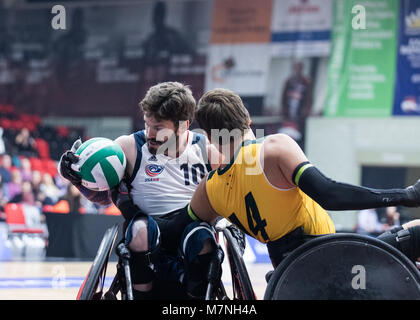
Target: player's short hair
(169, 101)
(222, 109)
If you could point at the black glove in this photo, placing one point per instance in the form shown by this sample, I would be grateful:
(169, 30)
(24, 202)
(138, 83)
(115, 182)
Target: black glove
(122, 199)
(413, 193)
(67, 159)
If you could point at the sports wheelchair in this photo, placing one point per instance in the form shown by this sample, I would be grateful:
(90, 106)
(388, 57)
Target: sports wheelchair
(93, 286)
(344, 266)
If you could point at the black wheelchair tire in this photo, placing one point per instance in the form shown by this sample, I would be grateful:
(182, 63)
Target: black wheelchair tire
(241, 282)
(97, 271)
(302, 251)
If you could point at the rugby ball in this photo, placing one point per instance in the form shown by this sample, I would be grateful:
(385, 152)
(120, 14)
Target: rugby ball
(101, 164)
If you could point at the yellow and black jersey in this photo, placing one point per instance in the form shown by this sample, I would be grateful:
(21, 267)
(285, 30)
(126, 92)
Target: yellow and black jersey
(241, 193)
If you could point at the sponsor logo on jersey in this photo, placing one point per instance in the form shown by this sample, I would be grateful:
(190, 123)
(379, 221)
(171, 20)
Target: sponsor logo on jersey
(152, 170)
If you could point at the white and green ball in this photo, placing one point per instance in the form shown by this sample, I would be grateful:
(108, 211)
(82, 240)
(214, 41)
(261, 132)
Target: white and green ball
(101, 164)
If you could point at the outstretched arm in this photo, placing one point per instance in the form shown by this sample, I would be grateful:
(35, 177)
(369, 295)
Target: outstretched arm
(330, 194)
(333, 195)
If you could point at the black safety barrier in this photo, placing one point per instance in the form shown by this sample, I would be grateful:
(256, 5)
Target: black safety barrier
(78, 235)
(345, 267)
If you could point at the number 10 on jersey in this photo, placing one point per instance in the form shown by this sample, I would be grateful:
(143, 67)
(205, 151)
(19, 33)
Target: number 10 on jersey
(196, 169)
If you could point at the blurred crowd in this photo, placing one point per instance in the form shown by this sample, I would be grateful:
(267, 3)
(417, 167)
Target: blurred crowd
(21, 183)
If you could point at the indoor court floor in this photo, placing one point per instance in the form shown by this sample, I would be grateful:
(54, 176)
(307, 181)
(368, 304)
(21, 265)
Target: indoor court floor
(61, 280)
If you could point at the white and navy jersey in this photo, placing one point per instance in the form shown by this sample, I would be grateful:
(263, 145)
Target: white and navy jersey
(161, 184)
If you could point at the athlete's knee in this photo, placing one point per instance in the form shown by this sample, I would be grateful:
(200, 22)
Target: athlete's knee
(208, 247)
(139, 239)
(198, 238)
(142, 238)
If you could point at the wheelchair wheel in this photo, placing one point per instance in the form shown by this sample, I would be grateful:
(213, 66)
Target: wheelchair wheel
(345, 267)
(241, 283)
(96, 275)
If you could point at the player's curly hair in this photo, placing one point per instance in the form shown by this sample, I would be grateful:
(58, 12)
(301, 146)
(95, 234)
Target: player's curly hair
(169, 101)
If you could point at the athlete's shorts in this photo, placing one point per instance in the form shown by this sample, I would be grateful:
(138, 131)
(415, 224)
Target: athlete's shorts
(280, 248)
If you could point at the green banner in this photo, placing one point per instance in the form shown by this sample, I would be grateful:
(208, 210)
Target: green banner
(361, 69)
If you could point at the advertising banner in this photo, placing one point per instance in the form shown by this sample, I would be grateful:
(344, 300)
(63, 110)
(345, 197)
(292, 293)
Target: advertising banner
(407, 80)
(238, 57)
(245, 21)
(363, 58)
(301, 28)
(242, 68)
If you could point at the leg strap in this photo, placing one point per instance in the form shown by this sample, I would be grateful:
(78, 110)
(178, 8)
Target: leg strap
(141, 266)
(196, 275)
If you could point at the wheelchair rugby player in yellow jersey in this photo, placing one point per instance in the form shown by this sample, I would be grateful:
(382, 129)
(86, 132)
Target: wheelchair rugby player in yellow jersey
(273, 193)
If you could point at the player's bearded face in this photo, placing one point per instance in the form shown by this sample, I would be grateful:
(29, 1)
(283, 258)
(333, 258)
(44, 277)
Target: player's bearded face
(161, 136)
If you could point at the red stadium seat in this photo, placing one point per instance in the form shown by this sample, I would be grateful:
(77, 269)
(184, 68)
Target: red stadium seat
(63, 131)
(43, 148)
(7, 109)
(50, 167)
(19, 230)
(36, 164)
(15, 219)
(31, 126)
(6, 124)
(35, 119)
(18, 124)
(14, 214)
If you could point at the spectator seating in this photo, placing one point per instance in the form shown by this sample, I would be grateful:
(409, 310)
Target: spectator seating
(26, 220)
(22, 237)
(44, 165)
(50, 140)
(43, 148)
(16, 221)
(50, 143)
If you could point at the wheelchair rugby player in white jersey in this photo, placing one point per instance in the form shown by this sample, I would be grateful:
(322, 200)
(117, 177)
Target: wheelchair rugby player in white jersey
(170, 250)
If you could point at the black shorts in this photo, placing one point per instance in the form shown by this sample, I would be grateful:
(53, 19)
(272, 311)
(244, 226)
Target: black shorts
(280, 248)
(177, 246)
(170, 237)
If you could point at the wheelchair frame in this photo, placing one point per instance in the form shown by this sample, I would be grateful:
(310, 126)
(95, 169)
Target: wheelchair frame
(93, 286)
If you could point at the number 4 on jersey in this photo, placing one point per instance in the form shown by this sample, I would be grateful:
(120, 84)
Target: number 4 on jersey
(255, 223)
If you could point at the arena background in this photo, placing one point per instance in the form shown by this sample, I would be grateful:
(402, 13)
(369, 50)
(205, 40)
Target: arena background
(354, 108)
